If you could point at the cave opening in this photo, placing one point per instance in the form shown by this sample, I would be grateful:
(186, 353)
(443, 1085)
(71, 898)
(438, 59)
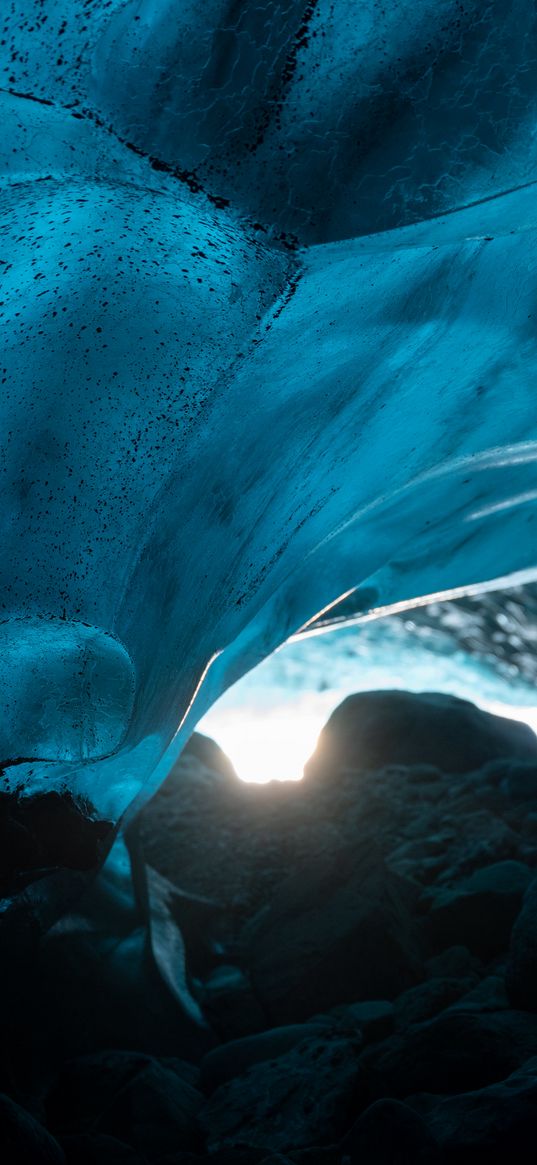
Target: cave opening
(478, 646)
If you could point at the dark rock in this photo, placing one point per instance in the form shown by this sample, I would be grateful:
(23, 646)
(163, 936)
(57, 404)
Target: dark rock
(206, 750)
(99, 1149)
(489, 995)
(318, 1155)
(239, 1155)
(490, 1126)
(519, 782)
(215, 836)
(454, 963)
(23, 1141)
(235, 1057)
(521, 973)
(275, 1159)
(428, 999)
(338, 930)
(299, 1100)
(374, 1018)
(390, 1133)
(479, 911)
(230, 1004)
(139, 1099)
(47, 831)
(455, 1052)
(373, 729)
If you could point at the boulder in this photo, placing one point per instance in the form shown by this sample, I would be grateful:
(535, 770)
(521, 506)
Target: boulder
(235, 1057)
(374, 1018)
(489, 1126)
(372, 729)
(229, 1003)
(521, 973)
(390, 1133)
(455, 1052)
(99, 1149)
(428, 999)
(454, 962)
(488, 995)
(478, 911)
(298, 1100)
(148, 1103)
(339, 930)
(23, 1141)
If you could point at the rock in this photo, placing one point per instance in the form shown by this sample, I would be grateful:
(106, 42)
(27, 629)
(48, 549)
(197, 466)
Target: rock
(338, 930)
(427, 999)
(318, 1155)
(521, 973)
(489, 1126)
(390, 1133)
(275, 1159)
(99, 1149)
(374, 1018)
(238, 1155)
(489, 995)
(139, 1099)
(23, 1141)
(454, 962)
(372, 729)
(299, 1100)
(206, 750)
(235, 1057)
(519, 782)
(454, 1052)
(479, 911)
(230, 1004)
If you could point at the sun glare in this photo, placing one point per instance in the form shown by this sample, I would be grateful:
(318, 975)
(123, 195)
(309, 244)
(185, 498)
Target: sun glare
(269, 722)
(271, 743)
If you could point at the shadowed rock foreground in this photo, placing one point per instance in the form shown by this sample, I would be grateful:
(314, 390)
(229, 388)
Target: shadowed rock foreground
(338, 970)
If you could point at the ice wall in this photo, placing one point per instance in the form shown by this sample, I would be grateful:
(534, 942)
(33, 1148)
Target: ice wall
(268, 302)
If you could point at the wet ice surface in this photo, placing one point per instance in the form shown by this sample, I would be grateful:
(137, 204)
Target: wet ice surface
(268, 297)
(480, 647)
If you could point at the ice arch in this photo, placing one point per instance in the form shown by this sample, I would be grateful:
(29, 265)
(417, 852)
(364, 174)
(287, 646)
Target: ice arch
(229, 393)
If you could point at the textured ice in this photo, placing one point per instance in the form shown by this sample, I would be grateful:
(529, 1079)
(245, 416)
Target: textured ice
(269, 278)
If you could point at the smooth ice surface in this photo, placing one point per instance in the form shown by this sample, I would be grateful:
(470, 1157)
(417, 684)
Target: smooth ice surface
(268, 299)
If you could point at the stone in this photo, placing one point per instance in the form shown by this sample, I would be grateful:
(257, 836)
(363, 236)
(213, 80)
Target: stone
(520, 782)
(390, 1133)
(99, 1149)
(230, 1003)
(521, 972)
(374, 1018)
(478, 911)
(427, 999)
(372, 729)
(455, 1052)
(338, 930)
(488, 995)
(23, 1140)
(489, 1126)
(236, 1056)
(454, 962)
(298, 1100)
(139, 1099)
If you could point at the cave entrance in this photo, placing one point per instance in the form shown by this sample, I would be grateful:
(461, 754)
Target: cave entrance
(479, 647)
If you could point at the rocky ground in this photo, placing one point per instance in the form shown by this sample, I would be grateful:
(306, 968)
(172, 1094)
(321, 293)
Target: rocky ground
(358, 958)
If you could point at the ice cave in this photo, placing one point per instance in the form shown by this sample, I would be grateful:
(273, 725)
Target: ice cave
(268, 455)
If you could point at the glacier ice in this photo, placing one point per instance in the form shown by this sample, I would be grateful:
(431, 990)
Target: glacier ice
(269, 279)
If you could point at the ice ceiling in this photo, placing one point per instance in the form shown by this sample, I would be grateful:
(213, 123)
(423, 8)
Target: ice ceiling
(268, 307)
